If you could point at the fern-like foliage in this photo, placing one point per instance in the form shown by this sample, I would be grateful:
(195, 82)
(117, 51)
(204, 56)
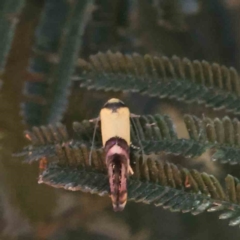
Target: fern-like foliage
(223, 135)
(189, 81)
(46, 47)
(52, 67)
(152, 133)
(9, 14)
(156, 182)
(45, 140)
(68, 56)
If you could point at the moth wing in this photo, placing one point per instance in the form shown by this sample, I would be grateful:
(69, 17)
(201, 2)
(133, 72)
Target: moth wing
(115, 124)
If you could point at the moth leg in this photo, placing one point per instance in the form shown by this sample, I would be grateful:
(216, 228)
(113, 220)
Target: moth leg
(139, 148)
(132, 115)
(134, 146)
(130, 171)
(94, 120)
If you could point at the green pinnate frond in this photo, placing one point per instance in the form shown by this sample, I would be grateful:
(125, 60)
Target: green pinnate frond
(68, 55)
(189, 81)
(47, 47)
(52, 66)
(157, 182)
(154, 133)
(220, 134)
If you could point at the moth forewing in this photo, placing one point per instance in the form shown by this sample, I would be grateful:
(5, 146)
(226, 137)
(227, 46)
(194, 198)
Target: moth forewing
(115, 124)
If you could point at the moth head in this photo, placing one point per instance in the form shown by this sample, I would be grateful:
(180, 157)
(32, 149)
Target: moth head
(114, 103)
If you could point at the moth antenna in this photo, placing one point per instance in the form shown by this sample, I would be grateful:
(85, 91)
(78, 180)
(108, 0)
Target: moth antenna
(132, 115)
(137, 133)
(96, 120)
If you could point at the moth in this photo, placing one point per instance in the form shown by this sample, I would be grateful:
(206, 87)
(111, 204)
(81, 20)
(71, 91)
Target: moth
(115, 128)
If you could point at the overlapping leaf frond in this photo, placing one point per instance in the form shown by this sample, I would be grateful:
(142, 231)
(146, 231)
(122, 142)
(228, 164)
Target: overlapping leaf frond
(189, 81)
(222, 134)
(68, 56)
(9, 13)
(52, 67)
(46, 48)
(151, 133)
(156, 182)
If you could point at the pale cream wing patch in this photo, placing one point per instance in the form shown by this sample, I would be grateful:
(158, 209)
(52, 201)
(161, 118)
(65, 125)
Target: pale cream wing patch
(115, 124)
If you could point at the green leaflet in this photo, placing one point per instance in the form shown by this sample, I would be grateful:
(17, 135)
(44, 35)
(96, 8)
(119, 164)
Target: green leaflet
(189, 81)
(71, 44)
(222, 134)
